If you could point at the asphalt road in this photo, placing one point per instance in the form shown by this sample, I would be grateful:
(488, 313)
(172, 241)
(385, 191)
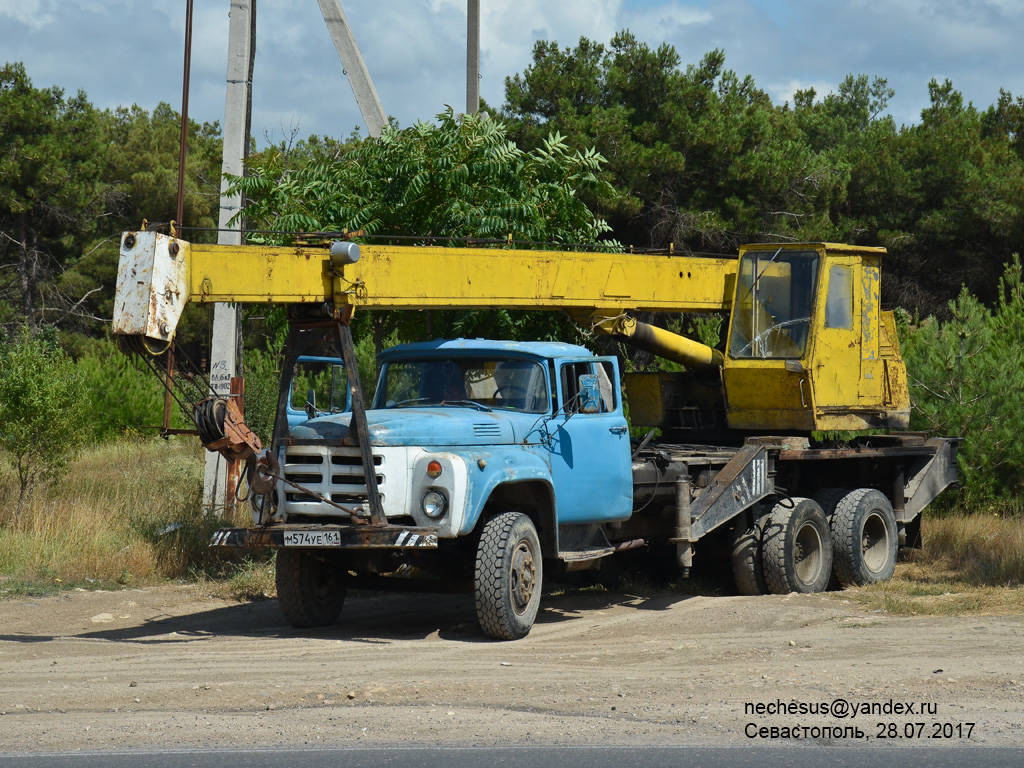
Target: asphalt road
(800, 756)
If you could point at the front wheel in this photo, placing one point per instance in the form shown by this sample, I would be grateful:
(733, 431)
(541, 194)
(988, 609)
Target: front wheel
(310, 589)
(508, 577)
(797, 548)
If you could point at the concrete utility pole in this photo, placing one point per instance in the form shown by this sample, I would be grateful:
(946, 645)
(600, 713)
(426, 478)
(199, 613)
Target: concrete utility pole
(218, 487)
(472, 56)
(355, 67)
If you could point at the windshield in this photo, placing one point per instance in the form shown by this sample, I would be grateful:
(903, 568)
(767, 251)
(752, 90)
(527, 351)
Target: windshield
(774, 304)
(492, 382)
(319, 386)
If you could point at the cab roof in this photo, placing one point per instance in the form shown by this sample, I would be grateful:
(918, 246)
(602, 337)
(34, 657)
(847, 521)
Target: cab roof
(537, 349)
(832, 247)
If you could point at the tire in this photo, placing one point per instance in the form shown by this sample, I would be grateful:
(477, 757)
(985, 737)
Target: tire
(864, 538)
(828, 498)
(508, 577)
(310, 589)
(797, 548)
(745, 551)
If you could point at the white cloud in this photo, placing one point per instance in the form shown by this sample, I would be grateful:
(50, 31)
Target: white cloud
(35, 14)
(660, 22)
(782, 93)
(125, 51)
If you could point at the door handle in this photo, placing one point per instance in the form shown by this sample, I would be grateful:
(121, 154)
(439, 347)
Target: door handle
(618, 430)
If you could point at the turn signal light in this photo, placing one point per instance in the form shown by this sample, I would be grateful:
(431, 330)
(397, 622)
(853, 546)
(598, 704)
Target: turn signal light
(434, 469)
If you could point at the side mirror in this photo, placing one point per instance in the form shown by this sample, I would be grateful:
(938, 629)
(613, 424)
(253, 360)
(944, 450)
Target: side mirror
(590, 396)
(311, 403)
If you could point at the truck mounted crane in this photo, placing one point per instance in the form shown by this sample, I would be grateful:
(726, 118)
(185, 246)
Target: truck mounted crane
(481, 463)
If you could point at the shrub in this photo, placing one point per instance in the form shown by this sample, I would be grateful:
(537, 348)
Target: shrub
(967, 379)
(121, 395)
(41, 409)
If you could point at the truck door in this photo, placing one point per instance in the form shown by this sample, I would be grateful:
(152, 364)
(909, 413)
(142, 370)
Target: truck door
(835, 359)
(766, 382)
(590, 452)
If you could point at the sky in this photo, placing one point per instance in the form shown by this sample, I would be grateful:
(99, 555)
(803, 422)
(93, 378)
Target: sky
(124, 52)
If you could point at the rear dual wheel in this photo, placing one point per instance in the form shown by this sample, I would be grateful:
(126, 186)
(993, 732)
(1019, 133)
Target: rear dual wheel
(745, 552)
(864, 538)
(802, 543)
(796, 548)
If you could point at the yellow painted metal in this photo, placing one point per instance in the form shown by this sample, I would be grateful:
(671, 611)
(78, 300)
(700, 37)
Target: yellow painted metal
(660, 342)
(645, 394)
(895, 389)
(871, 366)
(835, 356)
(769, 395)
(847, 374)
(673, 399)
(405, 277)
(258, 273)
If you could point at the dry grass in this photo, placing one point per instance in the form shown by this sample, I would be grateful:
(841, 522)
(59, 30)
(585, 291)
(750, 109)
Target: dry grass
(970, 564)
(129, 512)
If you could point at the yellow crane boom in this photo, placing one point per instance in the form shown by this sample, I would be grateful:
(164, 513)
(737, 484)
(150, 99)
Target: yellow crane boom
(808, 346)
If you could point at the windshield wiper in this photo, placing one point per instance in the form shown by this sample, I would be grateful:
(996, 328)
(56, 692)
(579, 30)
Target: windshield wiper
(470, 403)
(410, 401)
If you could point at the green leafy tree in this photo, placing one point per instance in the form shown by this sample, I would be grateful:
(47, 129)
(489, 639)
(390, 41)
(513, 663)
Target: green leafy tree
(946, 197)
(461, 178)
(51, 194)
(967, 379)
(696, 156)
(140, 171)
(120, 395)
(41, 409)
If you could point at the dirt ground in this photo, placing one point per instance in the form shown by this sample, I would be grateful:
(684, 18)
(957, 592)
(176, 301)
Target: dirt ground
(172, 667)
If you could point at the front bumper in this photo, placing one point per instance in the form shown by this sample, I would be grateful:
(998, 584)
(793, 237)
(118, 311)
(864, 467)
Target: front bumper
(349, 536)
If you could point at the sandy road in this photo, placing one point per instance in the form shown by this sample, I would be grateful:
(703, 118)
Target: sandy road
(166, 667)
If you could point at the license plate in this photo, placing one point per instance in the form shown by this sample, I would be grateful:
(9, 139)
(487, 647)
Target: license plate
(312, 538)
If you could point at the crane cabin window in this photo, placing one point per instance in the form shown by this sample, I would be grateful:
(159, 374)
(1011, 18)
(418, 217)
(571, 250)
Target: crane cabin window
(774, 304)
(839, 302)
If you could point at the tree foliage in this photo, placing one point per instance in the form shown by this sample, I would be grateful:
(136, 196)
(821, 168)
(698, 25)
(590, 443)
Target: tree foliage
(51, 194)
(700, 157)
(459, 178)
(967, 379)
(72, 178)
(41, 408)
(455, 181)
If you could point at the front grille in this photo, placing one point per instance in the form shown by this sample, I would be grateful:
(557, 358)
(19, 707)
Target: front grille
(335, 473)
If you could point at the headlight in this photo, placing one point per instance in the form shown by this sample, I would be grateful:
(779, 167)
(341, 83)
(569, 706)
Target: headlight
(435, 504)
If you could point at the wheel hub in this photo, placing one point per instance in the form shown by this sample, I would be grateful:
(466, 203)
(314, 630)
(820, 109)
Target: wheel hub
(875, 543)
(523, 571)
(807, 554)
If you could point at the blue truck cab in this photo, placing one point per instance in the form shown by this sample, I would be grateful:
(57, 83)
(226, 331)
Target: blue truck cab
(498, 453)
(458, 425)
